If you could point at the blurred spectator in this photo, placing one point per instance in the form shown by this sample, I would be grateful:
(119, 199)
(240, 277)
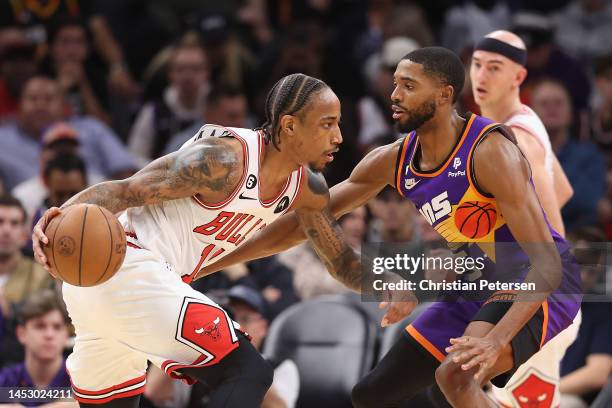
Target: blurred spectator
(43, 331)
(605, 207)
(583, 27)
(581, 161)
(300, 49)
(231, 63)
(224, 106)
(396, 219)
(17, 65)
(546, 59)
(180, 106)
(64, 176)
(354, 226)
(273, 279)
(41, 105)
(58, 139)
(310, 276)
(79, 75)
(587, 365)
(375, 108)
(254, 24)
(467, 23)
(19, 276)
(35, 17)
(247, 310)
(601, 119)
(408, 20)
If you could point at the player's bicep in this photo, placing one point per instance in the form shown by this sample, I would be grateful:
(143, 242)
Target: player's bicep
(204, 168)
(502, 171)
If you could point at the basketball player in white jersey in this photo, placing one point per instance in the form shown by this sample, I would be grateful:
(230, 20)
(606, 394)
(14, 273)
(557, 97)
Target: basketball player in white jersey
(496, 73)
(182, 212)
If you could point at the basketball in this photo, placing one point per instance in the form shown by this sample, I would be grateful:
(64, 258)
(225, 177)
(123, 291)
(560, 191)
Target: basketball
(86, 245)
(475, 219)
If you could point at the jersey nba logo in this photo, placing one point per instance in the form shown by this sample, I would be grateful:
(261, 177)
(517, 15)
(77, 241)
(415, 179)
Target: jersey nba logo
(282, 206)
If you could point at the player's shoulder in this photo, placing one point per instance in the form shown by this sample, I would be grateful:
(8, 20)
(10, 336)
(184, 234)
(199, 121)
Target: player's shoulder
(315, 193)
(498, 151)
(215, 152)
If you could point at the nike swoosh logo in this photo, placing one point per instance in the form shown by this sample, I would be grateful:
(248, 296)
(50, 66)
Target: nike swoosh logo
(413, 185)
(242, 196)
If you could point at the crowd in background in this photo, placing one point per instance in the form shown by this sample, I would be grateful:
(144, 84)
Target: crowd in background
(94, 90)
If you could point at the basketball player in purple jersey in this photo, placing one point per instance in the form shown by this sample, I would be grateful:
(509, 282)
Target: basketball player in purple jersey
(446, 161)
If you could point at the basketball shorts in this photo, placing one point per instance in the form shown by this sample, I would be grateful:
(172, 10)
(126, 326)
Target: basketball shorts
(443, 320)
(537, 381)
(144, 312)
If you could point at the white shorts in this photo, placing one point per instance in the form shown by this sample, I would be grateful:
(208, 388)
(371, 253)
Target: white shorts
(537, 380)
(144, 312)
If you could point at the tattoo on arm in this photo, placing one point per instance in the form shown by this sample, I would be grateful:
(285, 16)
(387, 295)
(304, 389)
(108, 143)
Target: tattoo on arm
(210, 167)
(328, 241)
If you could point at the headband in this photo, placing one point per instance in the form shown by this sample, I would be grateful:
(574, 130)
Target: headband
(499, 47)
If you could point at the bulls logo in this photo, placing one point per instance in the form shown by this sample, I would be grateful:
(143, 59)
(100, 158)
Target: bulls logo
(206, 328)
(282, 205)
(534, 390)
(251, 181)
(211, 330)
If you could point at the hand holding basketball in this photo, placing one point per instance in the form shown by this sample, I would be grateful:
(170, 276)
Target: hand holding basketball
(85, 244)
(39, 239)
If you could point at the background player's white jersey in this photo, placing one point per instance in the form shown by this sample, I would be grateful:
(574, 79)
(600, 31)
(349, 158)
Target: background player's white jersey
(527, 120)
(189, 234)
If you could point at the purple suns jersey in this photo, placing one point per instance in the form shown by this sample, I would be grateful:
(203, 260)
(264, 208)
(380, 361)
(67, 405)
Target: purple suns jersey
(468, 219)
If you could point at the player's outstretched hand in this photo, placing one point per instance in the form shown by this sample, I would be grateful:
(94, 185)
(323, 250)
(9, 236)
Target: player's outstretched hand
(39, 239)
(471, 352)
(397, 311)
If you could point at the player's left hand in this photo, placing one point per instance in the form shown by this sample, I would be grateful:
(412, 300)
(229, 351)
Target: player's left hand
(471, 352)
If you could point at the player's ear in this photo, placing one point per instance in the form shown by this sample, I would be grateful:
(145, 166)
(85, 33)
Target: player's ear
(287, 124)
(446, 95)
(521, 74)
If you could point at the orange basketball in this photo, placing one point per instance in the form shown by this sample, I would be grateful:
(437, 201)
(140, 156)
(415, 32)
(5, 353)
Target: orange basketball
(475, 219)
(86, 245)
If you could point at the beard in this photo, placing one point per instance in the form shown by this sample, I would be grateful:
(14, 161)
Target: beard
(417, 117)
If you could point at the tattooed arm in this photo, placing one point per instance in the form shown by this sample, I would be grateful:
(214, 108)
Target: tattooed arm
(325, 234)
(327, 238)
(210, 168)
(342, 262)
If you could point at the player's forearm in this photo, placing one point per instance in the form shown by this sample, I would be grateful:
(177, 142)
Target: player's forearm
(347, 269)
(112, 195)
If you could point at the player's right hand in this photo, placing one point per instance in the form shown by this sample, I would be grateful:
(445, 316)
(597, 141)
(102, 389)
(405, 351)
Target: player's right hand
(39, 239)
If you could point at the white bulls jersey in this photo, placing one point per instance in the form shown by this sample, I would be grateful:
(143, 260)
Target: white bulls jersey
(528, 120)
(188, 234)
